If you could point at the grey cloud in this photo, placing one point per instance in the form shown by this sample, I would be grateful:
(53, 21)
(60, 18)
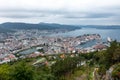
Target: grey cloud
(90, 15)
(21, 15)
(25, 13)
(64, 15)
(100, 15)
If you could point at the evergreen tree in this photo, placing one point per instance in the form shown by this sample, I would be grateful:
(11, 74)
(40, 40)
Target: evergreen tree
(22, 71)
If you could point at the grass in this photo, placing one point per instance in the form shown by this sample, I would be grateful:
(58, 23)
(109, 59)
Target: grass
(82, 73)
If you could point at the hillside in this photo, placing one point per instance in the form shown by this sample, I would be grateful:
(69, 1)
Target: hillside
(99, 65)
(41, 26)
(11, 26)
(4, 30)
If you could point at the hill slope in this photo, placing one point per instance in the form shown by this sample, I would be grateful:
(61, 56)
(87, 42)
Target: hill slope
(40, 26)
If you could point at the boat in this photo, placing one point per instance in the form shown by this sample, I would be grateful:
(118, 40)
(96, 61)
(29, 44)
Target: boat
(109, 39)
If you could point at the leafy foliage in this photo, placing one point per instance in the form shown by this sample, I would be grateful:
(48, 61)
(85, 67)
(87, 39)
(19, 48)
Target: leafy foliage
(64, 67)
(22, 71)
(116, 72)
(4, 72)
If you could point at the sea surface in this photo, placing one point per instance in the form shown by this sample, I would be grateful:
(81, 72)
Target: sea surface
(114, 34)
(27, 51)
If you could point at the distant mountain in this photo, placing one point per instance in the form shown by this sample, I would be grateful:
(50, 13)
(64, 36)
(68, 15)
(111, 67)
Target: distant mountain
(11, 26)
(102, 26)
(40, 26)
(4, 30)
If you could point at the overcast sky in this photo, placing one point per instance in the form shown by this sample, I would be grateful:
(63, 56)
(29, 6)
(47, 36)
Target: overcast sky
(83, 12)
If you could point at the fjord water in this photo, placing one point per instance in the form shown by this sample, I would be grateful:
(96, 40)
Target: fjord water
(114, 34)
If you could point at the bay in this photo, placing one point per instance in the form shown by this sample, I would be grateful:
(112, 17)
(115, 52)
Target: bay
(114, 34)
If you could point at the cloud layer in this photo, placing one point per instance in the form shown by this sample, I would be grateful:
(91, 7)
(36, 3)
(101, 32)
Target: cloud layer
(61, 11)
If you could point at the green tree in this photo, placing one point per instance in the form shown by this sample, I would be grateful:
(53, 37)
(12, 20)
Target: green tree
(22, 71)
(110, 52)
(64, 67)
(116, 55)
(4, 72)
(116, 72)
(44, 73)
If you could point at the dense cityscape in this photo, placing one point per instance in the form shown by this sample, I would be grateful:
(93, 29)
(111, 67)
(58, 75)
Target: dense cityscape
(12, 43)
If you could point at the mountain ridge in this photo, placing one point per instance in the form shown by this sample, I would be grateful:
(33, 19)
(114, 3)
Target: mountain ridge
(11, 26)
(39, 26)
